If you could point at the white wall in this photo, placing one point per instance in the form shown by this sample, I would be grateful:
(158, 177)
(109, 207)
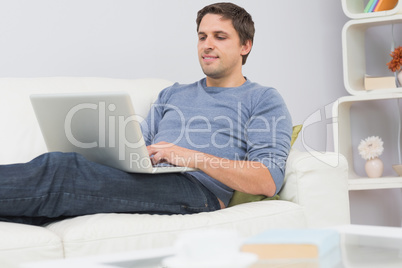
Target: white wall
(297, 49)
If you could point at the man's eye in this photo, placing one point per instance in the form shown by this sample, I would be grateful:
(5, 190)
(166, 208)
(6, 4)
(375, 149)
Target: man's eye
(202, 38)
(221, 38)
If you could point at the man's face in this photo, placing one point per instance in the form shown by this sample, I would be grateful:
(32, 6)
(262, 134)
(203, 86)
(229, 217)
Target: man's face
(219, 49)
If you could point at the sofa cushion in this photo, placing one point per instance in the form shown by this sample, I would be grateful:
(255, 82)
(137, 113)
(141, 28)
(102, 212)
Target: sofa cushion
(21, 243)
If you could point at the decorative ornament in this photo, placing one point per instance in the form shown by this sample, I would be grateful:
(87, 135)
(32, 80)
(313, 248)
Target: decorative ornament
(370, 149)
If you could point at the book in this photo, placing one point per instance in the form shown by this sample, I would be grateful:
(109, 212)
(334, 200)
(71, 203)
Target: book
(379, 82)
(368, 6)
(293, 243)
(373, 5)
(385, 5)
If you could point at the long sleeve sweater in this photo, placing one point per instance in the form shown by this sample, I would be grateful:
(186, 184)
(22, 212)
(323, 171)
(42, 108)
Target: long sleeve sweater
(249, 122)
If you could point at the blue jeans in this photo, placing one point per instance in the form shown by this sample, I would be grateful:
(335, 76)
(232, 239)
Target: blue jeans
(56, 186)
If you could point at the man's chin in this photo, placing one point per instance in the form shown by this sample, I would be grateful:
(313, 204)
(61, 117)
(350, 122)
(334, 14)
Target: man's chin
(212, 73)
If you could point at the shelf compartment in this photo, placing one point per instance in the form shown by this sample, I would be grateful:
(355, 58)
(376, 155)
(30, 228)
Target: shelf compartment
(354, 9)
(343, 142)
(354, 53)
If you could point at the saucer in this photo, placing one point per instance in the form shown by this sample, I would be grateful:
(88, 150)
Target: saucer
(241, 260)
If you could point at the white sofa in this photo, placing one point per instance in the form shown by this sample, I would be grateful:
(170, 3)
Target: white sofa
(315, 193)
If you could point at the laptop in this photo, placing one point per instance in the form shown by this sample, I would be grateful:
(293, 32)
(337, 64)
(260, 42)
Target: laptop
(101, 126)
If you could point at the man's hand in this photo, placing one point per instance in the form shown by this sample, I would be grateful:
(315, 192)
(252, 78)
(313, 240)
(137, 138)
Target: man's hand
(167, 152)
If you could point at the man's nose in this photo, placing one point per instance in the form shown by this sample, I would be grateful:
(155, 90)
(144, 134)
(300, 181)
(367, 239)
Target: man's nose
(209, 43)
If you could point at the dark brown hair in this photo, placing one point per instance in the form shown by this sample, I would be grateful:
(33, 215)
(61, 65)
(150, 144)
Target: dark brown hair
(241, 20)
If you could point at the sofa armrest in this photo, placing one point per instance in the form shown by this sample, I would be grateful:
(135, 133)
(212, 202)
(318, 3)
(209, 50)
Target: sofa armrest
(319, 183)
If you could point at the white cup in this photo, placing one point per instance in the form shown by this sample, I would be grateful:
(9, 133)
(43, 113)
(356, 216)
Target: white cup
(214, 244)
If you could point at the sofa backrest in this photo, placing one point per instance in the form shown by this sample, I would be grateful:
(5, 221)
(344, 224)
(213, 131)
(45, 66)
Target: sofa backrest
(21, 139)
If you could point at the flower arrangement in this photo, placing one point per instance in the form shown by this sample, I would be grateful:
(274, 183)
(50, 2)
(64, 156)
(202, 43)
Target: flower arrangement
(396, 62)
(371, 147)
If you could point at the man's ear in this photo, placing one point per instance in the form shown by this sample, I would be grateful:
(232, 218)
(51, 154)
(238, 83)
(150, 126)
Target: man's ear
(246, 48)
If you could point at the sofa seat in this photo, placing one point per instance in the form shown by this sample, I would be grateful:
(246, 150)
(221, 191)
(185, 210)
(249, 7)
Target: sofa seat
(106, 233)
(315, 192)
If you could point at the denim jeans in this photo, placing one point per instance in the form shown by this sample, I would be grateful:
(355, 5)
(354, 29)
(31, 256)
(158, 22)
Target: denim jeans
(57, 185)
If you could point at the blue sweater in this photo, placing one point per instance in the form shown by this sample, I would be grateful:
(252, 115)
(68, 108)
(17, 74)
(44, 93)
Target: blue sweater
(250, 122)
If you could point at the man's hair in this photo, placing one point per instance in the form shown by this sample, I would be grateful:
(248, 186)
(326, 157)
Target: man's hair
(241, 20)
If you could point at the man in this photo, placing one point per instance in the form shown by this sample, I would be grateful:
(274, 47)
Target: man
(237, 133)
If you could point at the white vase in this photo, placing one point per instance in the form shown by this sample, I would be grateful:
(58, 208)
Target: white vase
(399, 76)
(374, 167)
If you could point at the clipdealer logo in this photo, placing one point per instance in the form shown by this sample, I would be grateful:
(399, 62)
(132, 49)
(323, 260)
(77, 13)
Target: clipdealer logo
(328, 115)
(221, 131)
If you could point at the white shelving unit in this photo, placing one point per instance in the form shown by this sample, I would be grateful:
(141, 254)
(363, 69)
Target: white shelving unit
(354, 70)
